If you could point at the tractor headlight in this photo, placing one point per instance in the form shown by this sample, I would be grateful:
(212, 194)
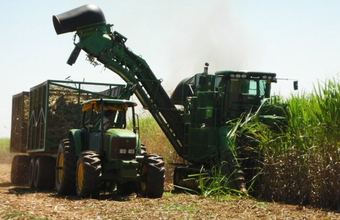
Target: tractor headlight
(131, 151)
(122, 151)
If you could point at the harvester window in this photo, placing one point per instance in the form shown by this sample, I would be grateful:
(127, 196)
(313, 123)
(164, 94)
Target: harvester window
(234, 86)
(249, 87)
(252, 87)
(262, 88)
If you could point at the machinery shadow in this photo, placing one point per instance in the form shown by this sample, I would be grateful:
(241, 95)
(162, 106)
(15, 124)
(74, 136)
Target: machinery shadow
(5, 184)
(21, 190)
(101, 197)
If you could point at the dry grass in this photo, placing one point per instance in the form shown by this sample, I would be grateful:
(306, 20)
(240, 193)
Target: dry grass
(5, 156)
(24, 203)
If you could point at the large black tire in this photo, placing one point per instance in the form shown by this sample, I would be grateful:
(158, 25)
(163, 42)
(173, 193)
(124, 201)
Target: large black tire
(152, 174)
(183, 181)
(88, 174)
(44, 173)
(31, 173)
(143, 150)
(19, 170)
(66, 162)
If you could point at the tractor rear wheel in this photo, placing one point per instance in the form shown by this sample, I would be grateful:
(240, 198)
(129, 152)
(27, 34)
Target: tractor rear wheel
(65, 178)
(87, 174)
(44, 172)
(152, 173)
(19, 170)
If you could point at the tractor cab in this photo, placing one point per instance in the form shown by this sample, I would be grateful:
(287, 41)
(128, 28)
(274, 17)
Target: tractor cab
(104, 127)
(105, 114)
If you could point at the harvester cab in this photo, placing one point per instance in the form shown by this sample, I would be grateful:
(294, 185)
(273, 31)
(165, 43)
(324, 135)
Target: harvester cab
(244, 91)
(222, 96)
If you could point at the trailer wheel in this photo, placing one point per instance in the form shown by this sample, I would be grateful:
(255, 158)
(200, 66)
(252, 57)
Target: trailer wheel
(66, 162)
(44, 172)
(152, 173)
(31, 173)
(88, 174)
(19, 169)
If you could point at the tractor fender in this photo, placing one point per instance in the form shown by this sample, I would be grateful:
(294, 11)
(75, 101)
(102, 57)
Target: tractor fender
(76, 136)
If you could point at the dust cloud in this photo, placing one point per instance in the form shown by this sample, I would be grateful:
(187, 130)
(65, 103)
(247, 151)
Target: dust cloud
(214, 35)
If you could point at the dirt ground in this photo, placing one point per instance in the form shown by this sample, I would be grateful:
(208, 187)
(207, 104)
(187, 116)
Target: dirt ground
(24, 203)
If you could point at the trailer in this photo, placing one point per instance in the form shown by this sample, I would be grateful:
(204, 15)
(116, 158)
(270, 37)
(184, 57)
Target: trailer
(41, 118)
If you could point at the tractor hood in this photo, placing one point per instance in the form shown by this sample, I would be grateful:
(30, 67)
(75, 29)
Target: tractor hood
(122, 133)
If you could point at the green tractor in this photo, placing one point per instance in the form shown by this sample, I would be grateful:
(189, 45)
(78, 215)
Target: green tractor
(105, 155)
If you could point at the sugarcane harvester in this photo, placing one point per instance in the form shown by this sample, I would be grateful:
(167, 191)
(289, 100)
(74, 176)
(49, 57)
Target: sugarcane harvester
(199, 131)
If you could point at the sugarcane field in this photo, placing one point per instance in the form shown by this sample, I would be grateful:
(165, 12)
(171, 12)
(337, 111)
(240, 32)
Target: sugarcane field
(215, 110)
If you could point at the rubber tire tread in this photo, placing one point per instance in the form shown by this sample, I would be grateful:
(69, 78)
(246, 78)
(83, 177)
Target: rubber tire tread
(31, 172)
(19, 169)
(67, 186)
(155, 174)
(44, 173)
(91, 174)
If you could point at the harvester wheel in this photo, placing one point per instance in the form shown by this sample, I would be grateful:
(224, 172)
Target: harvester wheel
(65, 178)
(19, 170)
(87, 174)
(182, 180)
(152, 173)
(44, 172)
(179, 176)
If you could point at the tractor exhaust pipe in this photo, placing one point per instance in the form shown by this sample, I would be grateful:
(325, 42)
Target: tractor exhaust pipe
(206, 66)
(71, 20)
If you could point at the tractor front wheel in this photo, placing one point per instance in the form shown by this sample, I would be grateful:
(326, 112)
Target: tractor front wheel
(152, 174)
(87, 174)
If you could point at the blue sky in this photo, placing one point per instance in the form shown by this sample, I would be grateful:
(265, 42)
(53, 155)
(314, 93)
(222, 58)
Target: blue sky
(295, 39)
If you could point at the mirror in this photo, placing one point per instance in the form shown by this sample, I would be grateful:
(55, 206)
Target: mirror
(296, 85)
